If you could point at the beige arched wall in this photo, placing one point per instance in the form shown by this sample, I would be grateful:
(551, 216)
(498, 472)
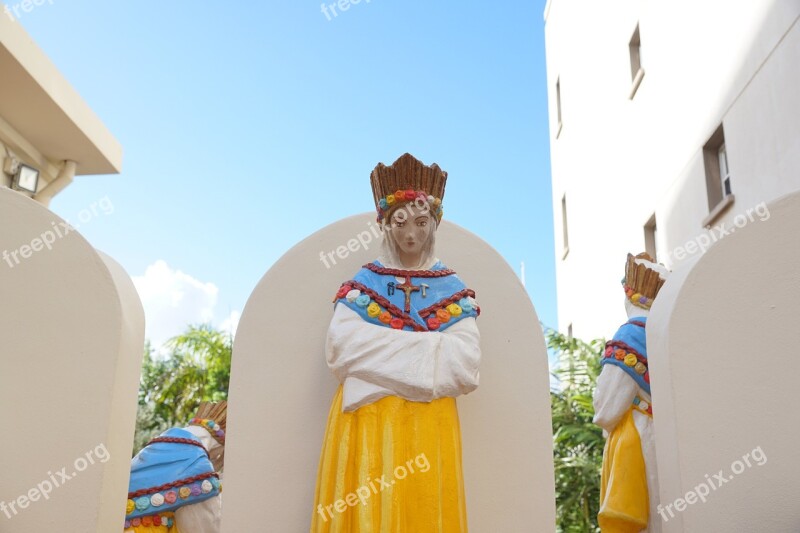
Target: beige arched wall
(72, 334)
(723, 341)
(281, 389)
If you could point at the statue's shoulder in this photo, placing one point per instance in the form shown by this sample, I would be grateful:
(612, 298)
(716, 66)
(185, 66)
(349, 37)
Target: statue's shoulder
(628, 351)
(171, 471)
(364, 276)
(361, 284)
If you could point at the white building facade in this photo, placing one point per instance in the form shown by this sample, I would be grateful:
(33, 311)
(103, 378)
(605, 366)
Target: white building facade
(672, 124)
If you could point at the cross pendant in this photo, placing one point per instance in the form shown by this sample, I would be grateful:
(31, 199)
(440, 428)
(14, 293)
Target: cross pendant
(408, 287)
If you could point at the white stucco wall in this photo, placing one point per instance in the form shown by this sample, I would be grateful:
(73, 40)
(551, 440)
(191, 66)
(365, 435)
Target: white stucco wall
(72, 330)
(281, 390)
(722, 339)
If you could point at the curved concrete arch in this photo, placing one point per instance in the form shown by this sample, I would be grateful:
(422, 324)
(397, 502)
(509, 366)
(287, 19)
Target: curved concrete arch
(281, 388)
(72, 341)
(723, 337)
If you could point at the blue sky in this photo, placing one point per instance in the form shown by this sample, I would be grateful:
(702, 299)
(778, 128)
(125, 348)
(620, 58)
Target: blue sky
(223, 109)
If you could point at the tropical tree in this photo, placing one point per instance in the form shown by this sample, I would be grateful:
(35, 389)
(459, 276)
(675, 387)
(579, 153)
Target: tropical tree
(577, 442)
(197, 368)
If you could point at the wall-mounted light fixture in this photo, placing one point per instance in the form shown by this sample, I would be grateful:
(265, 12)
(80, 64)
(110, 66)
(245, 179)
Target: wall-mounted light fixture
(24, 177)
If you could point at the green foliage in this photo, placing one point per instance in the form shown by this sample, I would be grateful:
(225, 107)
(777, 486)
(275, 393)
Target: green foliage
(197, 368)
(577, 442)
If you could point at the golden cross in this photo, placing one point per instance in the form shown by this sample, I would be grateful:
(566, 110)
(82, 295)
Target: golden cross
(408, 287)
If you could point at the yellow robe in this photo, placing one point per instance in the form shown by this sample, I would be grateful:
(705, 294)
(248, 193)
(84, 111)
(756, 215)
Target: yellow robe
(392, 466)
(623, 483)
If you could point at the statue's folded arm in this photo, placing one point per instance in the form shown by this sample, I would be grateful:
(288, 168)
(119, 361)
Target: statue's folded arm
(417, 366)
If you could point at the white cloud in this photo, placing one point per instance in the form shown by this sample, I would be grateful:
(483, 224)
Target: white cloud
(231, 323)
(173, 300)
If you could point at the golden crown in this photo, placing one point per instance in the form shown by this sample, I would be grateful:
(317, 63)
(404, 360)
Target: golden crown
(641, 283)
(407, 180)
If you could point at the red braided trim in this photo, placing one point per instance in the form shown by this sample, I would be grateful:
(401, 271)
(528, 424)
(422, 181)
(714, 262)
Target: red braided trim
(178, 440)
(396, 311)
(637, 323)
(627, 348)
(174, 484)
(413, 273)
(447, 301)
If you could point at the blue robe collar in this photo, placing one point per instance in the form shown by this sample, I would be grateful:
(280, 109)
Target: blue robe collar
(628, 351)
(436, 303)
(164, 463)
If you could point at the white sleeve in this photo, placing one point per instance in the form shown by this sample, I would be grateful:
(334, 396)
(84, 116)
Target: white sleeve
(203, 517)
(417, 366)
(613, 396)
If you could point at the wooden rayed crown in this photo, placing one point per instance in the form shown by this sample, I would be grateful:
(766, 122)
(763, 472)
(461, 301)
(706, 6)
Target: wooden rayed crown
(406, 174)
(641, 283)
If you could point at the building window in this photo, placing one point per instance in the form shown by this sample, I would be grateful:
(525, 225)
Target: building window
(718, 176)
(558, 107)
(650, 235)
(637, 70)
(724, 173)
(565, 233)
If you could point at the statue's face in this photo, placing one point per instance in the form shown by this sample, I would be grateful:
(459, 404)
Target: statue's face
(411, 228)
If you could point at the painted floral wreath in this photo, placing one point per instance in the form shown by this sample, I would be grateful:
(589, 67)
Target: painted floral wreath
(404, 196)
(636, 298)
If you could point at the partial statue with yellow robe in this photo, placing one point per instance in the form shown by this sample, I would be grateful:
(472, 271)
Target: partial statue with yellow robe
(624, 409)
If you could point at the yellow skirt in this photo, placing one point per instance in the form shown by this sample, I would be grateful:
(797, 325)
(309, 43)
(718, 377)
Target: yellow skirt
(393, 466)
(624, 503)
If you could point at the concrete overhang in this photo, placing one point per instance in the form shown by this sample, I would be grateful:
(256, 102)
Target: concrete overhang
(42, 115)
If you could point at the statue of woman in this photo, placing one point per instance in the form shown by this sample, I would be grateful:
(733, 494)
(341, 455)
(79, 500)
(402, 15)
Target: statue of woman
(623, 408)
(404, 343)
(175, 479)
